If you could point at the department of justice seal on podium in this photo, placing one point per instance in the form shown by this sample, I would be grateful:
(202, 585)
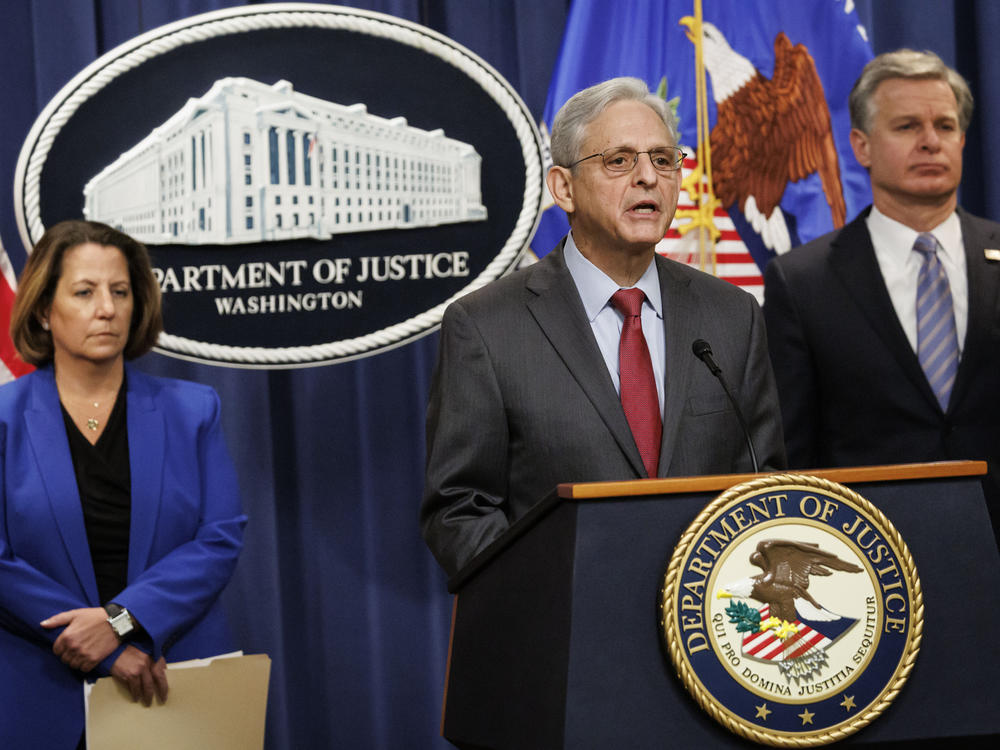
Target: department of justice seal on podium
(792, 610)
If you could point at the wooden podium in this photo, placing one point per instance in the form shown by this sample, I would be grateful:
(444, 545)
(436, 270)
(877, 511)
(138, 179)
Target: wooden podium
(555, 637)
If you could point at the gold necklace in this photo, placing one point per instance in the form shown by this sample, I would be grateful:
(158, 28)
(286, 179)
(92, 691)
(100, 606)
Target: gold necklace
(92, 422)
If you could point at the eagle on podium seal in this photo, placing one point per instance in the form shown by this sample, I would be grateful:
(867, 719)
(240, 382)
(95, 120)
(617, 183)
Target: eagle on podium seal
(792, 610)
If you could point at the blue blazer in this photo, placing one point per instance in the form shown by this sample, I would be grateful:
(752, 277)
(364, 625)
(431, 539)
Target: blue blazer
(186, 534)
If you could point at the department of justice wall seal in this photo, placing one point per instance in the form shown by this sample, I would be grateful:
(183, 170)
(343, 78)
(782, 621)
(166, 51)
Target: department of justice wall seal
(315, 183)
(792, 610)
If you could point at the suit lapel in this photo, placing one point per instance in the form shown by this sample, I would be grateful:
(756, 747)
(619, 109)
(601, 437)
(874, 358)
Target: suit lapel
(679, 315)
(146, 448)
(852, 259)
(984, 297)
(557, 309)
(47, 433)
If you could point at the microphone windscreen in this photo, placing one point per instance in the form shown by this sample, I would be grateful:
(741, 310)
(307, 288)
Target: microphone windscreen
(700, 347)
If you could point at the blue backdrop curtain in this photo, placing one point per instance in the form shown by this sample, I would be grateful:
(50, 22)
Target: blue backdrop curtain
(335, 583)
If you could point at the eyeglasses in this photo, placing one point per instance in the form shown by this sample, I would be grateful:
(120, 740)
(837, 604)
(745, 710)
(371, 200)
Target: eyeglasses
(664, 159)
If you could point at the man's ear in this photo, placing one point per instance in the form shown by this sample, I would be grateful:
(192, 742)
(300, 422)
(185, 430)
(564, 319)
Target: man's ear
(860, 144)
(560, 183)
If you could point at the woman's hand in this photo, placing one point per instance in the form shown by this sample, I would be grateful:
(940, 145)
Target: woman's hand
(87, 639)
(141, 675)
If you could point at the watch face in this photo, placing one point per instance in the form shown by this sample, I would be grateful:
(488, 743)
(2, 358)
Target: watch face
(122, 623)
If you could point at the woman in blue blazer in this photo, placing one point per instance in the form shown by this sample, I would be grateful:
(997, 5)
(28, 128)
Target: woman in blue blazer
(120, 517)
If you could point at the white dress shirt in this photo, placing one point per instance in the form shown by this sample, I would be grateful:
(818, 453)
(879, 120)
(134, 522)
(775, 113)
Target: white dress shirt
(900, 266)
(595, 288)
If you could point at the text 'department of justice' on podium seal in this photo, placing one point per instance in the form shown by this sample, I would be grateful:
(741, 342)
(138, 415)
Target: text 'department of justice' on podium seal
(792, 611)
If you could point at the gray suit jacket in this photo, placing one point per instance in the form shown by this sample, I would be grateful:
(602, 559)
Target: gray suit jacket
(521, 399)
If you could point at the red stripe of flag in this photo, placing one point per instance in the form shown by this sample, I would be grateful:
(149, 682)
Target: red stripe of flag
(725, 235)
(811, 639)
(743, 257)
(8, 353)
(744, 280)
(765, 644)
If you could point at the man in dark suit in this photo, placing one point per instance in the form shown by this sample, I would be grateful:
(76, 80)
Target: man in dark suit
(527, 388)
(878, 358)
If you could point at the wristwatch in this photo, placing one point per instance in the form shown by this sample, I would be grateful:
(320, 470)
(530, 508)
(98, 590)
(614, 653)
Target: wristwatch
(120, 620)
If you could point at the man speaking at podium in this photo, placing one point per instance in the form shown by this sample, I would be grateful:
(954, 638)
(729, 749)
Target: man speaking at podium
(580, 367)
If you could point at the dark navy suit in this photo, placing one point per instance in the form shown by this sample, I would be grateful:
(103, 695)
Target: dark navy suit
(186, 534)
(851, 387)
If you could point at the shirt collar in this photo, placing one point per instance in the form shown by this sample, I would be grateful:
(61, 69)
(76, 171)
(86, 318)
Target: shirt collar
(596, 287)
(898, 239)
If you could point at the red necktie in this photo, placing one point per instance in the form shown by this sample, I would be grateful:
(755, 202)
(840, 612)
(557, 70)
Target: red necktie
(638, 388)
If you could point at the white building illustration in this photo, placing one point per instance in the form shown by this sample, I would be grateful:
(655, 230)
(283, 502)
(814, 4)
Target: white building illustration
(248, 162)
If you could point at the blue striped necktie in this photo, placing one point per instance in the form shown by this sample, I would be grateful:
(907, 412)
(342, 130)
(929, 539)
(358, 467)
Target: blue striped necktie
(937, 339)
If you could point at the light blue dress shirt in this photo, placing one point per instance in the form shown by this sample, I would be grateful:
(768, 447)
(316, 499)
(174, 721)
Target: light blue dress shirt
(595, 288)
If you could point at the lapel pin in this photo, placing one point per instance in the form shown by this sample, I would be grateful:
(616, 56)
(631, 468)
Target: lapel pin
(992, 254)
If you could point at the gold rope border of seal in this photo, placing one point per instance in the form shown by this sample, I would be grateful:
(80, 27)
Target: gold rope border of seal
(705, 699)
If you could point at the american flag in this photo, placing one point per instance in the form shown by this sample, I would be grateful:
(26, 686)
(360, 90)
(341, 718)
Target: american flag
(768, 647)
(11, 365)
(729, 260)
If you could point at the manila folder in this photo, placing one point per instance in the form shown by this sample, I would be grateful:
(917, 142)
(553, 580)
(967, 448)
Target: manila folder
(218, 704)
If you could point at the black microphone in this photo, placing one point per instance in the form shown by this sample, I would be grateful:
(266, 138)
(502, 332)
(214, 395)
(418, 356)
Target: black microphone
(703, 351)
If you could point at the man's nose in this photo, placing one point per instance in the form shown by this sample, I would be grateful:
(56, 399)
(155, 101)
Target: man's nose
(643, 173)
(930, 139)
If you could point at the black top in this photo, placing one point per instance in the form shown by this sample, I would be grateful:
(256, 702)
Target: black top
(104, 481)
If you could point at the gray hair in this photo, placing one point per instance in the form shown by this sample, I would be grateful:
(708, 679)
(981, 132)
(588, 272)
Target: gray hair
(586, 106)
(910, 64)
